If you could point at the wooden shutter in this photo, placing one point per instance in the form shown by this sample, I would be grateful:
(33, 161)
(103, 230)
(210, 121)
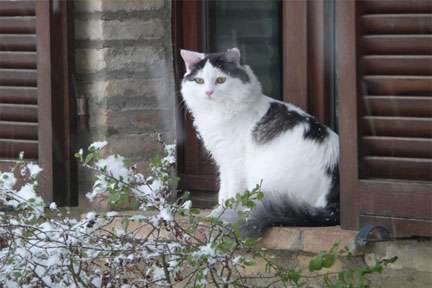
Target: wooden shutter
(18, 80)
(34, 91)
(384, 67)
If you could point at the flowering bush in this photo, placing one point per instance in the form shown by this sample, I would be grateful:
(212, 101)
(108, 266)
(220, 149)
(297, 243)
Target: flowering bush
(165, 244)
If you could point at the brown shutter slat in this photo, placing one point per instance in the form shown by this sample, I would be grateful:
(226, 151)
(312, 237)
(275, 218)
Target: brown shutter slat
(17, 112)
(397, 126)
(18, 95)
(398, 23)
(399, 168)
(398, 106)
(398, 85)
(397, 6)
(17, 8)
(398, 44)
(26, 60)
(17, 42)
(11, 149)
(18, 25)
(398, 146)
(18, 77)
(397, 64)
(18, 130)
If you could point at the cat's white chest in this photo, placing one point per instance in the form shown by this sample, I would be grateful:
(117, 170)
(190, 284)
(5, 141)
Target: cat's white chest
(225, 140)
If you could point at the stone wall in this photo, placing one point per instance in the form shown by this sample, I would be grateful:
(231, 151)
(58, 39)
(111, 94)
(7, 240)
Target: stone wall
(124, 68)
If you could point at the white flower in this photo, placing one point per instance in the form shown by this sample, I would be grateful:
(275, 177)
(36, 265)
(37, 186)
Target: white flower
(205, 251)
(7, 180)
(91, 216)
(171, 155)
(165, 214)
(187, 205)
(98, 145)
(111, 214)
(27, 192)
(114, 165)
(33, 169)
(158, 274)
(53, 206)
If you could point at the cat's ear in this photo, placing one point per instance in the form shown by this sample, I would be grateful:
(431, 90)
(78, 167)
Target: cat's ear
(190, 58)
(233, 55)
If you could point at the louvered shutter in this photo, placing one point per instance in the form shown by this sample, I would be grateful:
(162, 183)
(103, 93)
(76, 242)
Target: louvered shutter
(34, 90)
(384, 55)
(18, 77)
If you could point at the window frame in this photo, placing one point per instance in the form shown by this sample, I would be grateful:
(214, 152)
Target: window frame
(56, 104)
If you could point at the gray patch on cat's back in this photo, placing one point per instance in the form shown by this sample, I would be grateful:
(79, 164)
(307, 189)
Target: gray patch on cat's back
(316, 131)
(277, 120)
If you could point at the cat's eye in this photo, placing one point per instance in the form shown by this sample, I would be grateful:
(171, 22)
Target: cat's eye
(199, 80)
(220, 80)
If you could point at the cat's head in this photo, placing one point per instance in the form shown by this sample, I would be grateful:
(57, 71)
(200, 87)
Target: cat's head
(219, 78)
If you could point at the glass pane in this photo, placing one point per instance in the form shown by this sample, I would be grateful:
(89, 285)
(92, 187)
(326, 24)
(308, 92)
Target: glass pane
(255, 28)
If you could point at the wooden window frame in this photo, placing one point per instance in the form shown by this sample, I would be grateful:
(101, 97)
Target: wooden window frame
(56, 127)
(366, 201)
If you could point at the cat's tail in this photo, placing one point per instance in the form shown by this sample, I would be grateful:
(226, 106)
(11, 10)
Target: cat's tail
(284, 213)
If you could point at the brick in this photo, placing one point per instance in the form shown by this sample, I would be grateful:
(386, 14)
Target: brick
(134, 121)
(129, 87)
(87, 5)
(117, 5)
(279, 238)
(134, 146)
(93, 90)
(89, 60)
(322, 238)
(411, 254)
(129, 93)
(88, 29)
(134, 58)
(132, 29)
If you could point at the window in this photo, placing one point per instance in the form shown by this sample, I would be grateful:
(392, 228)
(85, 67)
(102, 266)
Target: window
(255, 28)
(283, 41)
(381, 53)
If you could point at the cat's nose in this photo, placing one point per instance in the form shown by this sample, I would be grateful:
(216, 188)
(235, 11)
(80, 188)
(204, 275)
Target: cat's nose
(209, 93)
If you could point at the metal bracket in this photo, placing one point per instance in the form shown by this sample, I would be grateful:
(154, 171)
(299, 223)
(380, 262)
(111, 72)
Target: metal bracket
(371, 234)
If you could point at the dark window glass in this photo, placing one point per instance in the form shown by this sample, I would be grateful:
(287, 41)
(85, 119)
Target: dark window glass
(255, 28)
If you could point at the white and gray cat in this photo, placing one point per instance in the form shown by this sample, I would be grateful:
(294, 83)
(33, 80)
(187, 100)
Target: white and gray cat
(254, 138)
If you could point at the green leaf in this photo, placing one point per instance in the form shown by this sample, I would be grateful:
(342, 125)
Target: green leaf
(125, 223)
(249, 262)
(250, 243)
(293, 275)
(346, 277)
(328, 260)
(194, 211)
(88, 158)
(316, 263)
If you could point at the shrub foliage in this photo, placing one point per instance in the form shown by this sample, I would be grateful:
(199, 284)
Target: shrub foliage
(167, 244)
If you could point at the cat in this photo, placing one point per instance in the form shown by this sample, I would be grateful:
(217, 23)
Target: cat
(256, 139)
